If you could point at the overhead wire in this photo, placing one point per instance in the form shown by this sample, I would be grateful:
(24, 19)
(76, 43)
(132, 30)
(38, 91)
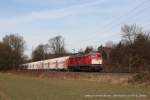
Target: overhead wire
(133, 11)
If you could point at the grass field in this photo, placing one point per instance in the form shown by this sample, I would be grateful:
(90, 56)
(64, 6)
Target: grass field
(13, 87)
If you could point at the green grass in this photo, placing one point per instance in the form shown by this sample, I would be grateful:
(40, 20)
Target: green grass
(28, 88)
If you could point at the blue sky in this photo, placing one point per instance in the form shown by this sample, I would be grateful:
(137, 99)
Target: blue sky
(80, 22)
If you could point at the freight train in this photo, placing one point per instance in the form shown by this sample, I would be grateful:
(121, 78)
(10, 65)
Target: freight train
(88, 62)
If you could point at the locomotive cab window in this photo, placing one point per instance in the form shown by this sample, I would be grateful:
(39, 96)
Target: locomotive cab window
(93, 56)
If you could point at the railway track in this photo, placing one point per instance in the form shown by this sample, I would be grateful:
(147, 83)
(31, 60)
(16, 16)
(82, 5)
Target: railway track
(114, 78)
(70, 72)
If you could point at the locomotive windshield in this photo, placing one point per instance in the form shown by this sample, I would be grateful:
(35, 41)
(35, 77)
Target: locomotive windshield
(93, 56)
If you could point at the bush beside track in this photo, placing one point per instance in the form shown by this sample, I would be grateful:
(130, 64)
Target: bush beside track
(141, 78)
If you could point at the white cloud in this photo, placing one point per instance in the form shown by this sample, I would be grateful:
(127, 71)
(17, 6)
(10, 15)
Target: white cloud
(45, 15)
(34, 16)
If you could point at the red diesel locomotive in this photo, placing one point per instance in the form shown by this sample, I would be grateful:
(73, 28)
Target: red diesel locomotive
(91, 62)
(88, 62)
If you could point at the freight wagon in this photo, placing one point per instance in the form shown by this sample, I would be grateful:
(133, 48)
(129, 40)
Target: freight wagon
(89, 62)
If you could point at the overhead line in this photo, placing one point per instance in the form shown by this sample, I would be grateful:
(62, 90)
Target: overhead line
(122, 16)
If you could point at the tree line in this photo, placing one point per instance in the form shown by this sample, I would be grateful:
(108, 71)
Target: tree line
(54, 48)
(131, 54)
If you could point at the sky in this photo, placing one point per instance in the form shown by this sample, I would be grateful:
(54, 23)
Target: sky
(81, 22)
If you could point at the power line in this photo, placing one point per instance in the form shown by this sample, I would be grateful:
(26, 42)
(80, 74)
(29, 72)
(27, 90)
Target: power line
(127, 15)
(133, 11)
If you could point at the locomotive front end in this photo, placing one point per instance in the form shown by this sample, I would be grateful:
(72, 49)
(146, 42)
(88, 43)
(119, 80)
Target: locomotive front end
(96, 61)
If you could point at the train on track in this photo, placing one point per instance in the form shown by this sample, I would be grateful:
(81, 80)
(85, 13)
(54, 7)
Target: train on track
(88, 62)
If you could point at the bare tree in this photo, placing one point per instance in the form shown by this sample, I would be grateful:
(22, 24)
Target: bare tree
(57, 45)
(39, 53)
(5, 56)
(130, 32)
(17, 44)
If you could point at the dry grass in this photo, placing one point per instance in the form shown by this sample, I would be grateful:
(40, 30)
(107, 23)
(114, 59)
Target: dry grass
(30, 88)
